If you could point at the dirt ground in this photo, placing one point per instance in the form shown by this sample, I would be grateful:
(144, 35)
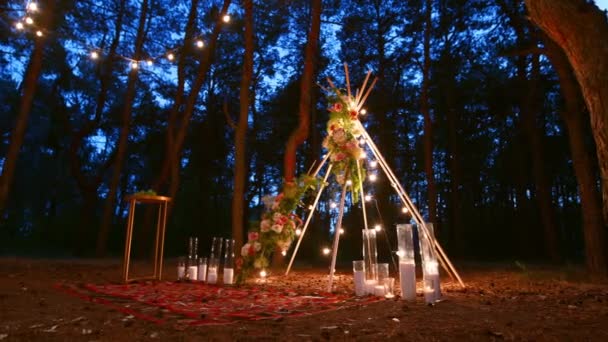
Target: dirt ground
(501, 302)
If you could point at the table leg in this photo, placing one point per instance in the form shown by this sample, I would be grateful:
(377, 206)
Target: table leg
(163, 219)
(128, 238)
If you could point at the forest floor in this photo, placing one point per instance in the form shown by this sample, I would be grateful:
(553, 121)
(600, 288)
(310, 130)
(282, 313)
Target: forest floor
(501, 302)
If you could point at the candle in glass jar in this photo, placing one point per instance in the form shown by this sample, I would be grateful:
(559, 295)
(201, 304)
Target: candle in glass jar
(370, 285)
(192, 272)
(228, 276)
(202, 269)
(359, 282)
(212, 275)
(379, 290)
(407, 279)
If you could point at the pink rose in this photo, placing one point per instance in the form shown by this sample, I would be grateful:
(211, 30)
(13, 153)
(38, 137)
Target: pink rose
(338, 156)
(252, 236)
(277, 228)
(337, 107)
(353, 114)
(265, 226)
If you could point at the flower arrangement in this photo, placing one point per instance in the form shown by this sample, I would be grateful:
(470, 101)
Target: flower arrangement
(277, 227)
(342, 141)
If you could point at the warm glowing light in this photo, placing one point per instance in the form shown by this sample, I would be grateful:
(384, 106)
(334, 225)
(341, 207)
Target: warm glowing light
(326, 251)
(373, 163)
(19, 26)
(29, 20)
(378, 227)
(400, 254)
(134, 65)
(298, 232)
(94, 55)
(373, 177)
(170, 56)
(226, 18)
(200, 43)
(349, 182)
(405, 210)
(363, 111)
(149, 62)
(33, 6)
(333, 205)
(283, 253)
(263, 274)
(368, 198)
(310, 207)
(341, 231)
(363, 155)
(39, 33)
(352, 105)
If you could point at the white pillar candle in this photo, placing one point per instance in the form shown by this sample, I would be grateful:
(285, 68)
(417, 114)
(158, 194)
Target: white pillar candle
(192, 272)
(181, 272)
(429, 295)
(359, 283)
(212, 275)
(202, 272)
(228, 276)
(407, 280)
(370, 285)
(433, 279)
(379, 290)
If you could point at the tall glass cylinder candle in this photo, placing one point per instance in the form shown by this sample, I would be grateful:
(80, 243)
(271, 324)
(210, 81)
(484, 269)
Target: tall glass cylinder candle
(407, 263)
(430, 266)
(202, 269)
(359, 277)
(229, 261)
(213, 270)
(370, 256)
(181, 268)
(216, 248)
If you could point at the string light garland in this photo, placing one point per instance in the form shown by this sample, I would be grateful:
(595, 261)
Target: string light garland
(27, 23)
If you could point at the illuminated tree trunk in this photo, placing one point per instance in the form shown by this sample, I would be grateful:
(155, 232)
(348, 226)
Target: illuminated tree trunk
(240, 163)
(299, 135)
(580, 29)
(121, 149)
(574, 117)
(30, 84)
(426, 112)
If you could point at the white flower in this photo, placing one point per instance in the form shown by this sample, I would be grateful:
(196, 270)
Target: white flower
(257, 246)
(245, 250)
(265, 226)
(277, 228)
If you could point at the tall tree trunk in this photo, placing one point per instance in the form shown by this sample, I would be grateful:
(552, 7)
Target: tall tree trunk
(240, 163)
(426, 112)
(299, 135)
(596, 254)
(30, 84)
(580, 29)
(121, 149)
(530, 110)
(455, 167)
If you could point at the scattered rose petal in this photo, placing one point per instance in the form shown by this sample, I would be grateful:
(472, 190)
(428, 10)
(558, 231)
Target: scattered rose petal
(395, 319)
(52, 329)
(3, 336)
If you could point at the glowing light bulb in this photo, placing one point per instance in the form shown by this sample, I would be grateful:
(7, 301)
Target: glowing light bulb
(333, 205)
(363, 111)
(341, 231)
(326, 251)
(263, 274)
(200, 43)
(298, 232)
(170, 56)
(19, 26)
(368, 198)
(39, 33)
(378, 227)
(373, 163)
(149, 62)
(363, 155)
(352, 105)
(373, 177)
(349, 182)
(134, 65)
(29, 20)
(400, 254)
(226, 18)
(405, 210)
(94, 55)
(33, 6)
(310, 207)
(283, 253)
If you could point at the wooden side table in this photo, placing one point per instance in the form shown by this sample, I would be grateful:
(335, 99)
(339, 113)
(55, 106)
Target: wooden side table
(162, 202)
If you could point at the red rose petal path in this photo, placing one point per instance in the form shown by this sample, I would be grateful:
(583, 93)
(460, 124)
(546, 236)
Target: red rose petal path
(205, 304)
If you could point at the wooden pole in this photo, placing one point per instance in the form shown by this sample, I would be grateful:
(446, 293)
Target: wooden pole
(337, 235)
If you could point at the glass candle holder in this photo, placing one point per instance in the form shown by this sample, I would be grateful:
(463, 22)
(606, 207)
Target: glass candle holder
(359, 277)
(370, 254)
(192, 269)
(202, 269)
(229, 262)
(407, 263)
(213, 270)
(216, 248)
(430, 266)
(181, 268)
(389, 287)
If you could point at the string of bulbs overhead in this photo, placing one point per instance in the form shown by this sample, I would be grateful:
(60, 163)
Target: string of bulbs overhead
(27, 24)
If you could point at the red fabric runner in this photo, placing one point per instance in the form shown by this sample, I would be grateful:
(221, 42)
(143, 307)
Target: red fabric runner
(205, 304)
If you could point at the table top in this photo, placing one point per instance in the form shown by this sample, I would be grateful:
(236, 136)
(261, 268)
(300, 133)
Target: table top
(146, 198)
